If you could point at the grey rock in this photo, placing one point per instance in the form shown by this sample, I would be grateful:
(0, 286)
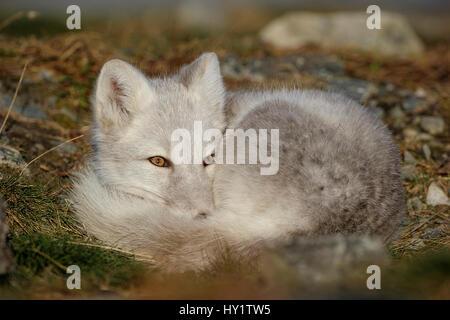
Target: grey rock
(397, 113)
(414, 204)
(409, 173)
(50, 101)
(198, 14)
(436, 196)
(68, 114)
(409, 158)
(11, 157)
(343, 29)
(376, 111)
(433, 233)
(321, 66)
(6, 259)
(414, 103)
(32, 111)
(327, 258)
(38, 147)
(416, 244)
(46, 75)
(356, 89)
(398, 116)
(426, 152)
(420, 93)
(67, 148)
(424, 137)
(432, 125)
(410, 134)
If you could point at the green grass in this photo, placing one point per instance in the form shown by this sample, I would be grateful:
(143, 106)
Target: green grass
(45, 238)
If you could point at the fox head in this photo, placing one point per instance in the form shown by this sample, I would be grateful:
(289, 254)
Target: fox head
(134, 118)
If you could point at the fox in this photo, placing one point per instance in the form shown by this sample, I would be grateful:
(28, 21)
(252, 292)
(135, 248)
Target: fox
(338, 172)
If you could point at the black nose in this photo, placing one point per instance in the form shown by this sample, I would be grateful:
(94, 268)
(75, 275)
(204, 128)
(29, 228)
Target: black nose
(202, 215)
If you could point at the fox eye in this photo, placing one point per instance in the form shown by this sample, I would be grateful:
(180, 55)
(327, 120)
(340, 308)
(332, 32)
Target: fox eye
(159, 161)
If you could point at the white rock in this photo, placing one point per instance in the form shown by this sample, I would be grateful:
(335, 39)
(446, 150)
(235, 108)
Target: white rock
(436, 196)
(432, 125)
(343, 29)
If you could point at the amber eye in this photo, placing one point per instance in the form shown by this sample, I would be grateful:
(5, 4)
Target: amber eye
(159, 161)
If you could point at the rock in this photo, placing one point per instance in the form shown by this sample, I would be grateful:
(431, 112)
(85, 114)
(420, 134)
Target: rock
(321, 66)
(409, 173)
(68, 114)
(356, 89)
(46, 75)
(433, 233)
(6, 259)
(424, 137)
(197, 14)
(251, 69)
(410, 134)
(11, 157)
(426, 152)
(409, 158)
(67, 148)
(376, 111)
(414, 204)
(327, 258)
(398, 116)
(416, 244)
(414, 103)
(32, 111)
(343, 29)
(436, 196)
(420, 93)
(50, 101)
(432, 125)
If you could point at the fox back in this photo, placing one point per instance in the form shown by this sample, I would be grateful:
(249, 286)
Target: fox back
(339, 170)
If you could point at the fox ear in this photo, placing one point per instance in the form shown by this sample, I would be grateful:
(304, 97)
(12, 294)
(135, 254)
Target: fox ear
(119, 87)
(203, 77)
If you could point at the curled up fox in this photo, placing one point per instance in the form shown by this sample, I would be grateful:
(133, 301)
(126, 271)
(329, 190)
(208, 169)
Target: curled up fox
(338, 170)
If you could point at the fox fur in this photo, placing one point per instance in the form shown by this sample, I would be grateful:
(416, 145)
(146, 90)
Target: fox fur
(339, 170)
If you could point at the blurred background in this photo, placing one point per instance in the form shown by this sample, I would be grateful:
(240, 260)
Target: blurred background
(401, 73)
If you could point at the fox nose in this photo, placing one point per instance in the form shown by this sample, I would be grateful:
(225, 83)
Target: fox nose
(202, 214)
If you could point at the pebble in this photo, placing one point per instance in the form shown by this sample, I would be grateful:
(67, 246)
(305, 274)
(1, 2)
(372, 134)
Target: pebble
(426, 152)
(414, 204)
(409, 158)
(409, 173)
(436, 196)
(432, 125)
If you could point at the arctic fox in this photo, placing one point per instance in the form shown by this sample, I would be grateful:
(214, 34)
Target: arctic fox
(339, 171)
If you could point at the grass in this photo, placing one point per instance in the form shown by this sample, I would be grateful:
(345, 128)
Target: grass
(45, 239)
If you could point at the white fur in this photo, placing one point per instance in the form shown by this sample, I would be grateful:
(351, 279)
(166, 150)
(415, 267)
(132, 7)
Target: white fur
(182, 216)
